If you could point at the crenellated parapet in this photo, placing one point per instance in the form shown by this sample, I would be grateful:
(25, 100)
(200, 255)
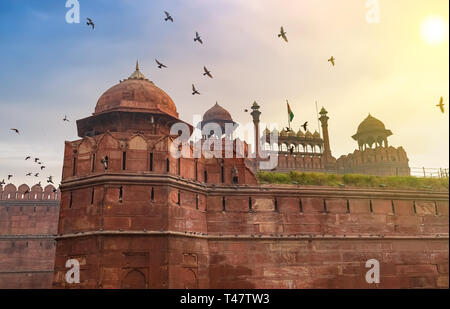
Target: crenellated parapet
(25, 193)
(379, 161)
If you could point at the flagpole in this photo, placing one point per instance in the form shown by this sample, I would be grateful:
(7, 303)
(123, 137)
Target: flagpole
(318, 122)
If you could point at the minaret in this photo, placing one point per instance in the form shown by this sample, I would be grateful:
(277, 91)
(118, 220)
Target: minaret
(330, 162)
(255, 114)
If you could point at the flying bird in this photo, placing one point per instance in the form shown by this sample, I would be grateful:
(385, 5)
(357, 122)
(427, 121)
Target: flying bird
(245, 110)
(441, 104)
(36, 175)
(28, 174)
(288, 129)
(332, 60)
(36, 159)
(26, 191)
(2, 182)
(55, 190)
(65, 118)
(27, 158)
(305, 125)
(207, 72)
(42, 167)
(168, 17)
(198, 38)
(9, 177)
(15, 130)
(194, 91)
(50, 179)
(90, 23)
(160, 65)
(283, 34)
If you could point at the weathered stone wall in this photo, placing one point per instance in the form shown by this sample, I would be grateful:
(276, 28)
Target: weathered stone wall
(28, 225)
(379, 161)
(252, 236)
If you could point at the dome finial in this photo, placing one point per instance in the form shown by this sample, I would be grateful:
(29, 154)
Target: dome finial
(137, 74)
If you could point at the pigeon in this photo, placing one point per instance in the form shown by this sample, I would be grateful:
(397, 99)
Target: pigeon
(160, 65)
(26, 192)
(10, 176)
(2, 182)
(42, 167)
(332, 60)
(168, 17)
(55, 190)
(207, 72)
(39, 184)
(15, 130)
(283, 34)
(305, 125)
(28, 174)
(198, 38)
(291, 150)
(36, 175)
(65, 118)
(90, 23)
(50, 179)
(27, 158)
(105, 163)
(194, 91)
(441, 104)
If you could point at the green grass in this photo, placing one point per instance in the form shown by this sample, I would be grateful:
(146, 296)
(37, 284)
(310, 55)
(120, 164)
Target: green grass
(353, 180)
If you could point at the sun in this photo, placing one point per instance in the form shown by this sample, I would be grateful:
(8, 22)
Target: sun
(434, 30)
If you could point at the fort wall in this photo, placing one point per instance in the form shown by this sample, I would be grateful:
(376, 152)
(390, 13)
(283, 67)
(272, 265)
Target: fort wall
(290, 236)
(28, 225)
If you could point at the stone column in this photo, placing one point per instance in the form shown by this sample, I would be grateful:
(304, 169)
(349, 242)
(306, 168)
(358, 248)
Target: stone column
(255, 114)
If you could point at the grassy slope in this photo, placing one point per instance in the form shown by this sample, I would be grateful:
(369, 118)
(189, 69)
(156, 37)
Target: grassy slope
(353, 180)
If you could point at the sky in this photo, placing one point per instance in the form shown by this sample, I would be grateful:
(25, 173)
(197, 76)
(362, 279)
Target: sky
(390, 69)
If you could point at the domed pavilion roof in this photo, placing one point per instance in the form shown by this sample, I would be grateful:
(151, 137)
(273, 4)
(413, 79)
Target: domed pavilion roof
(136, 94)
(371, 127)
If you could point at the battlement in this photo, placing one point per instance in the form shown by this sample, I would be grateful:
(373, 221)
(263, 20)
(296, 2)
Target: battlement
(379, 161)
(24, 193)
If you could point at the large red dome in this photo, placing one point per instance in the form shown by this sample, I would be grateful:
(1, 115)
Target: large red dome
(136, 94)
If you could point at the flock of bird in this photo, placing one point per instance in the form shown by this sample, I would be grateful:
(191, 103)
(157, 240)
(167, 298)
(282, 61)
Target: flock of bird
(39, 164)
(206, 72)
(197, 38)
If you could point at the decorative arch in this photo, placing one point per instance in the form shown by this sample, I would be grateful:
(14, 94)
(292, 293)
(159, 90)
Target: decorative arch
(137, 142)
(134, 279)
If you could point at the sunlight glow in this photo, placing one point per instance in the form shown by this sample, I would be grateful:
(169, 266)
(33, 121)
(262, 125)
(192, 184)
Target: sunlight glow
(434, 30)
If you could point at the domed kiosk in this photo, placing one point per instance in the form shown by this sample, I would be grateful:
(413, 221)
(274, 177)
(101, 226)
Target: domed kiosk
(134, 104)
(371, 131)
(218, 115)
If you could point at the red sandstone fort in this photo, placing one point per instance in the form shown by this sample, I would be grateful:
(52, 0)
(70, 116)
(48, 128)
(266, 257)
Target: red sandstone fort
(136, 217)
